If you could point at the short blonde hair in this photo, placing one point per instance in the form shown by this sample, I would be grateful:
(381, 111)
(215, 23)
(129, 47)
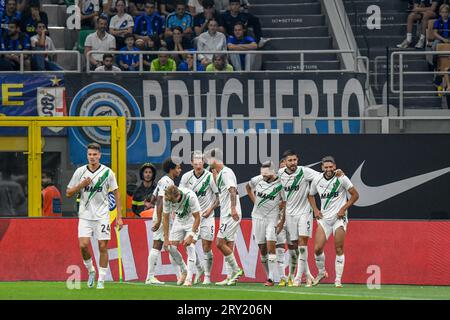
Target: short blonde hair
(444, 6)
(171, 193)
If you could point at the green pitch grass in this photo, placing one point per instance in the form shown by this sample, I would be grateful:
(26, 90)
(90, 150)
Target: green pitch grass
(243, 291)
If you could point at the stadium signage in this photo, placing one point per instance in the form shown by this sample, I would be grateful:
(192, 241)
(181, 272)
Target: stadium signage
(173, 105)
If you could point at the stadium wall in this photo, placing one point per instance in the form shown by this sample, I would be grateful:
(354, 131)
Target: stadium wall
(399, 252)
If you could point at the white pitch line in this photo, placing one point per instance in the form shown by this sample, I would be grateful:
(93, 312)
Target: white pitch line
(280, 291)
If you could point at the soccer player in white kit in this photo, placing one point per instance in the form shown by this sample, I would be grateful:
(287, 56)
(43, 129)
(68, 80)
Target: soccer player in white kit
(266, 193)
(201, 181)
(184, 203)
(173, 171)
(93, 183)
(230, 214)
(281, 241)
(332, 217)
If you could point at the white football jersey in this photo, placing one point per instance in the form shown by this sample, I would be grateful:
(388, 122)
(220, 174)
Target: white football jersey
(161, 186)
(185, 208)
(204, 187)
(333, 193)
(94, 201)
(296, 189)
(225, 180)
(121, 23)
(268, 197)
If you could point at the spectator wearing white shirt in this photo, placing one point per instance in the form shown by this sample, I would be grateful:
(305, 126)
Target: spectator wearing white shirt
(121, 24)
(100, 40)
(40, 41)
(108, 60)
(212, 40)
(195, 7)
(90, 10)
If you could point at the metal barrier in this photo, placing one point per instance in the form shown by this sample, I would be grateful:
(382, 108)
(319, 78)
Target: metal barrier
(301, 54)
(47, 52)
(401, 73)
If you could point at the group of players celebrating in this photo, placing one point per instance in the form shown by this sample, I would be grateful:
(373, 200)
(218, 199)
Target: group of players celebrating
(283, 211)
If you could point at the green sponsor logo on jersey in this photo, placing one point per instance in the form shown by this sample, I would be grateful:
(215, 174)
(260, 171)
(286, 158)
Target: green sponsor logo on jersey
(332, 193)
(202, 191)
(270, 196)
(98, 186)
(294, 184)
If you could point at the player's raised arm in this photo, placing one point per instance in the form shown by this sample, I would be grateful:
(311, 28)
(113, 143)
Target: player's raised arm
(250, 193)
(71, 191)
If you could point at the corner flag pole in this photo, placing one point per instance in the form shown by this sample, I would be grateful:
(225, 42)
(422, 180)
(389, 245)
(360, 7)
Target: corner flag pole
(119, 253)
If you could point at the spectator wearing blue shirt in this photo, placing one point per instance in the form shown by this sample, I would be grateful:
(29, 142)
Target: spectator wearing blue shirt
(129, 62)
(234, 15)
(180, 17)
(149, 24)
(188, 64)
(239, 42)
(17, 41)
(441, 27)
(10, 14)
(30, 20)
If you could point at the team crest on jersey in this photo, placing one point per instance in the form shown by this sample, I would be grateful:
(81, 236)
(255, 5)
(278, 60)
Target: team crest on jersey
(112, 201)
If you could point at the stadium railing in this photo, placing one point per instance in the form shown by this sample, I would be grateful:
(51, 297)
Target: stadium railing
(398, 87)
(22, 53)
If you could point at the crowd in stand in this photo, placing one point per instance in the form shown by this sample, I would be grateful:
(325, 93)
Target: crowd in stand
(161, 26)
(433, 34)
(172, 25)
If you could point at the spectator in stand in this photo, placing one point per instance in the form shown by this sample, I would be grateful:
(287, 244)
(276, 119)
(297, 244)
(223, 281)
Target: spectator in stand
(136, 7)
(29, 22)
(230, 17)
(188, 63)
(168, 6)
(201, 20)
(16, 41)
(121, 24)
(153, 45)
(240, 42)
(100, 40)
(423, 11)
(441, 27)
(51, 196)
(89, 13)
(195, 7)
(163, 62)
(108, 64)
(212, 40)
(41, 41)
(109, 7)
(178, 43)
(220, 63)
(224, 5)
(129, 62)
(182, 18)
(148, 24)
(10, 13)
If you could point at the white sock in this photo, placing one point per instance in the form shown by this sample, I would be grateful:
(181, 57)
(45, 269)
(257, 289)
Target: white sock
(208, 263)
(175, 266)
(320, 263)
(280, 263)
(102, 273)
(229, 269)
(152, 262)
(422, 36)
(198, 262)
(339, 266)
(192, 258)
(177, 259)
(293, 256)
(302, 261)
(231, 260)
(409, 37)
(265, 265)
(89, 265)
(272, 264)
